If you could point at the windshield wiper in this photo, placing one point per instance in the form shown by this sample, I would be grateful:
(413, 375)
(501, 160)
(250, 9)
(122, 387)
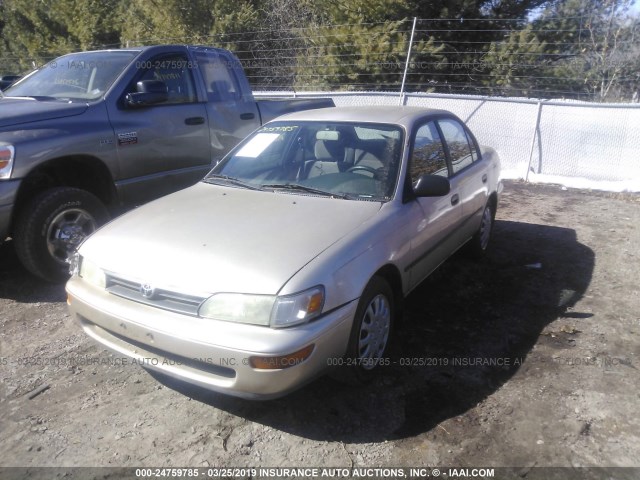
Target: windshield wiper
(302, 188)
(218, 179)
(35, 97)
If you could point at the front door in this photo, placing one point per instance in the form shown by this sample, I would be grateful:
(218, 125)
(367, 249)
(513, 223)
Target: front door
(434, 219)
(164, 147)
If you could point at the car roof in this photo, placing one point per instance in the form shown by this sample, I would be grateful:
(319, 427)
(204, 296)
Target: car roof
(399, 115)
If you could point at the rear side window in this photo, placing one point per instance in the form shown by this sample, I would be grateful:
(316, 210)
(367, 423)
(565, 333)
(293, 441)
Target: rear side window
(219, 79)
(459, 146)
(428, 156)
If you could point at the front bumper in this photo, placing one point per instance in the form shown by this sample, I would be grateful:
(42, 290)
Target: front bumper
(209, 353)
(8, 193)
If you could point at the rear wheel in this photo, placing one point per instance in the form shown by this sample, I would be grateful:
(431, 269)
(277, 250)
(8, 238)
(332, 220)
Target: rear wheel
(370, 333)
(52, 226)
(479, 244)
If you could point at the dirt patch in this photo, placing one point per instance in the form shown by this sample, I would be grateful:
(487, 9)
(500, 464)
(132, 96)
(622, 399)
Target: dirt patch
(528, 358)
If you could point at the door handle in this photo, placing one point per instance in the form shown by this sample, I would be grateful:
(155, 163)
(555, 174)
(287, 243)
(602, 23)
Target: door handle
(194, 121)
(484, 178)
(455, 199)
(247, 116)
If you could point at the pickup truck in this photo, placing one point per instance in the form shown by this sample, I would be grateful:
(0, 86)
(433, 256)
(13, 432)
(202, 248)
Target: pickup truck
(91, 133)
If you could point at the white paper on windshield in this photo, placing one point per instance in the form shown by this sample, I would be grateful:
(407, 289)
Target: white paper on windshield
(257, 145)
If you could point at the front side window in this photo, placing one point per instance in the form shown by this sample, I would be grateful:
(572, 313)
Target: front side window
(350, 160)
(428, 156)
(459, 149)
(174, 70)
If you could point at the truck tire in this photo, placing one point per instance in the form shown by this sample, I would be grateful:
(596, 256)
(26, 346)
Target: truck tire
(51, 227)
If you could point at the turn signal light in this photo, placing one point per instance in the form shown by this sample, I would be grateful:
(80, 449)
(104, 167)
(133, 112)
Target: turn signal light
(284, 361)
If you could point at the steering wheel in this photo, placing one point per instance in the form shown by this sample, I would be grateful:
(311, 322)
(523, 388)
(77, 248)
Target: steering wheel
(365, 168)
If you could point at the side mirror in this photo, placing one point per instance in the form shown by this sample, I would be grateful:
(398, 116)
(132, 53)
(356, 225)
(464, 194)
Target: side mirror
(148, 92)
(432, 186)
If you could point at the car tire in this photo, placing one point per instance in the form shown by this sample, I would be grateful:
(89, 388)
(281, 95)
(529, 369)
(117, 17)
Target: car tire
(479, 243)
(370, 333)
(52, 226)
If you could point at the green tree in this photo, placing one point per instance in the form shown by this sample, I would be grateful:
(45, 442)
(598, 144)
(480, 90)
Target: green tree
(516, 65)
(177, 21)
(595, 48)
(362, 46)
(35, 32)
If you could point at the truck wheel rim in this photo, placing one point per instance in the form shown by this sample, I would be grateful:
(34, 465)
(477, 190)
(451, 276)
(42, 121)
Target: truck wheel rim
(67, 230)
(374, 331)
(485, 229)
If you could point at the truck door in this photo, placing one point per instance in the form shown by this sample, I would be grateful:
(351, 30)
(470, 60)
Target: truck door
(233, 112)
(163, 147)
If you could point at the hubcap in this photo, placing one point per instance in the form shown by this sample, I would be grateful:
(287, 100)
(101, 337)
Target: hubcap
(485, 229)
(374, 331)
(66, 232)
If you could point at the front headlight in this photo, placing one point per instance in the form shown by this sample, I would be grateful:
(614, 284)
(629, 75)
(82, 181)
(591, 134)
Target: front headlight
(91, 273)
(238, 307)
(7, 153)
(298, 308)
(283, 311)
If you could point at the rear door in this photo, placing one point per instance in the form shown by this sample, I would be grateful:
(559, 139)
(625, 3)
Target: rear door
(468, 173)
(164, 147)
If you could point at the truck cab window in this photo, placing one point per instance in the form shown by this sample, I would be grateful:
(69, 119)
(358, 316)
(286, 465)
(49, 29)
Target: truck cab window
(174, 71)
(218, 77)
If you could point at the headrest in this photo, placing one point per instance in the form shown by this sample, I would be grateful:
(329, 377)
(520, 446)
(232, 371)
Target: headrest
(328, 135)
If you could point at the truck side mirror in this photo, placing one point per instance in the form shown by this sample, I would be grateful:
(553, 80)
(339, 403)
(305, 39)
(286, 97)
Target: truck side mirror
(148, 92)
(432, 186)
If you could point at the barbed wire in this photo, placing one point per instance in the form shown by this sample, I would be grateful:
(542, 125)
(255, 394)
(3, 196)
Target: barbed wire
(342, 57)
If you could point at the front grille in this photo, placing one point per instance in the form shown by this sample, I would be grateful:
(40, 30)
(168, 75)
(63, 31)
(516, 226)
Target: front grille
(160, 298)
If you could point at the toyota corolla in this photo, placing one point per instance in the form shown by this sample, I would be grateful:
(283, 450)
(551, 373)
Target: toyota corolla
(294, 254)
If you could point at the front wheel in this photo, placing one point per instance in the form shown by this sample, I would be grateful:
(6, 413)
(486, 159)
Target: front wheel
(370, 333)
(52, 226)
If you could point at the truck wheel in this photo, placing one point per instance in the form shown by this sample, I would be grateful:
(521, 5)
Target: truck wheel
(370, 333)
(51, 227)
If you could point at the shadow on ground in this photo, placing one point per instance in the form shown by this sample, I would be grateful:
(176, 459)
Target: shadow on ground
(466, 330)
(19, 285)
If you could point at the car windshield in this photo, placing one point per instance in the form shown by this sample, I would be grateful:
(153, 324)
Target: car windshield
(345, 160)
(79, 76)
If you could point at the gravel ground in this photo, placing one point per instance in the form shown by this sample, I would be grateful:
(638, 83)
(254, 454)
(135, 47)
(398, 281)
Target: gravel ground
(529, 358)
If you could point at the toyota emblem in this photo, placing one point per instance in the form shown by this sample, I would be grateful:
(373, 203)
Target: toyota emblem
(146, 290)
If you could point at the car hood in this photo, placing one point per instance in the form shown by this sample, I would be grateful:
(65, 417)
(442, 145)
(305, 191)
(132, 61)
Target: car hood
(19, 110)
(210, 238)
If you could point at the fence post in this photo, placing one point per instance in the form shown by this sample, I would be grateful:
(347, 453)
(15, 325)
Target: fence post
(533, 139)
(406, 65)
